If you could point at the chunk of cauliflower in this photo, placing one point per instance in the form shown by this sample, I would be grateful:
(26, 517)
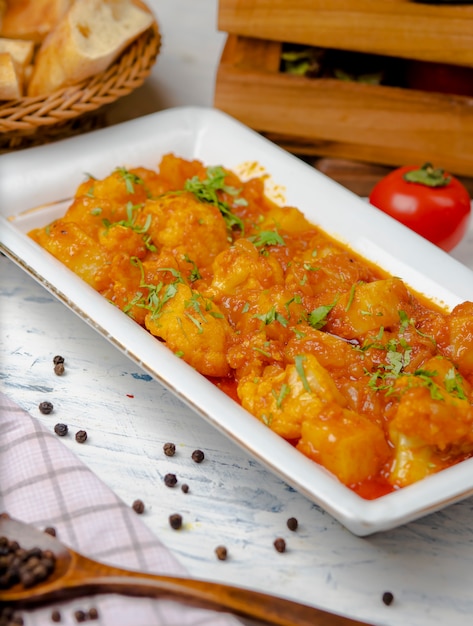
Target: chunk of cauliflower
(283, 397)
(194, 328)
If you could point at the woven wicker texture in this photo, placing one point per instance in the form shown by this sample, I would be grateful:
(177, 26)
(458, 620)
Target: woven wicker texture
(78, 108)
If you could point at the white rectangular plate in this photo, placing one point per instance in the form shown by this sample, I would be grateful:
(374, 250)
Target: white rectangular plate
(50, 173)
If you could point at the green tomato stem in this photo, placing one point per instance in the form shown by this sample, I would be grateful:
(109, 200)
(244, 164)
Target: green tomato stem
(427, 175)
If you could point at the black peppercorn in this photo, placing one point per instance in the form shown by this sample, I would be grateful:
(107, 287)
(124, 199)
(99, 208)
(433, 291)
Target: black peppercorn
(80, 616)
(55, 616)
(93, 613)
(27, 567)
(40, 571)
(170, 480)
(58, 359)
(292, 523)
(185, 487)
(138, 506)
(61, 430)
(175, 521)
(59, 369)
(221, 552)
(388, 598)
(81, 436)
(198, 456)
(280, 544)
(33, 561)
(46, 407)
(48, 554)
(169, 449)
(50, 530)
(27, 579)
(48, 563)
(34, 552)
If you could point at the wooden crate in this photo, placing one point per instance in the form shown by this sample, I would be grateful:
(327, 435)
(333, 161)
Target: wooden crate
(332, 118)
(400, 28)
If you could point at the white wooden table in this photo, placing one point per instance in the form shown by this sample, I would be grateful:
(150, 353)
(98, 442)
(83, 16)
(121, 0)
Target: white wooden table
(232, 500)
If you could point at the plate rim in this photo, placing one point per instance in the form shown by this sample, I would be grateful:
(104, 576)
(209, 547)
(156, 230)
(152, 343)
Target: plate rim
(362, 517)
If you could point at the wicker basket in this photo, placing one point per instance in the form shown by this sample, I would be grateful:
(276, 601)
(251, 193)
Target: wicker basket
(76, 109)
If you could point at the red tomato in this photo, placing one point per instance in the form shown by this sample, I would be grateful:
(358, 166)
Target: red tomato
(434, 204)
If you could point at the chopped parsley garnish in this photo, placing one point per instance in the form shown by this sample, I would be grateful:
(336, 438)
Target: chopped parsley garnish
(398, 356)
(193, 303)
(272, 316)
(299, 363)
(263, 352)
(157, 295)
(207, 191)
(351, 295)
(279, 397)
(397, 361)
(405, 321)
(197, 302)
(426, 377)
(310, 268)
(453, 384)
(194, 273)
(375, 343)
(267, 238)
(130, 179)
(385, 376)
(195, 321)
(318, 317)
(131, 212)
(295, 299)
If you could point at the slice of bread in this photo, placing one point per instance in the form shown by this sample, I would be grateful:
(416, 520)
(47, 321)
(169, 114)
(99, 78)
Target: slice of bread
(21, 51)
(90, 37)
(32, 19)
(11, 86)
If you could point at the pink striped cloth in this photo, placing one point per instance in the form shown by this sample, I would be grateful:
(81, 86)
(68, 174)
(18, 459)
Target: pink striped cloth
(43, 483)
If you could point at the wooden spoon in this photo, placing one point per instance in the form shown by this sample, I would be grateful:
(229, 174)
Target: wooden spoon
(76, 575)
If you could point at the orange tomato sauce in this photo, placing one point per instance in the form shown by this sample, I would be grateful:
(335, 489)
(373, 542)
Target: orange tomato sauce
(342, 360)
